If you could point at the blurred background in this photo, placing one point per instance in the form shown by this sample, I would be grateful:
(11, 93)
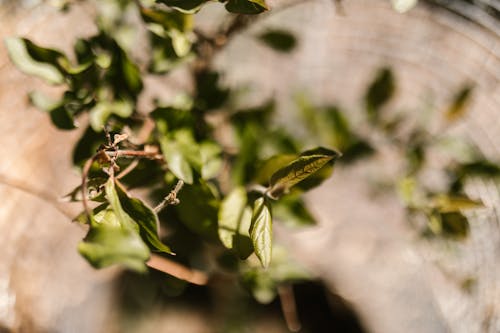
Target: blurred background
(433, 76)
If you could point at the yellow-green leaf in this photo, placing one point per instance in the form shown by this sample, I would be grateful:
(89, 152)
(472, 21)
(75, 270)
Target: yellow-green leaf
(301, 168)
(261, 231)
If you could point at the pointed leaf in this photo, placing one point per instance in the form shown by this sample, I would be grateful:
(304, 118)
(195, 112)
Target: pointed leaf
(447, 204)
(146, 218)
(301, 168)
(246, 6)
(261, 231)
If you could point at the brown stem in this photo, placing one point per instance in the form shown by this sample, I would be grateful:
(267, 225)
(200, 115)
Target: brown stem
(154, 155)
(288, 307)
(178, 270)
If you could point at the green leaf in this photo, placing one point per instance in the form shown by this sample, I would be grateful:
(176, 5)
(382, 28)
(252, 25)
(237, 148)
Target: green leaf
(146, 218)
(249, 7)
(211, 162)
(184, 6)
(458, 106)
(303, 167)
(100, 113)
(454, 225)
(292, 211)
(379, 92)
(124, 220)
(234, 223)
(269, 167)
(261, 231)
(279, 40)
(35, 60)
(198, 209)
(107, 243)
(447, 204)
(59, 112)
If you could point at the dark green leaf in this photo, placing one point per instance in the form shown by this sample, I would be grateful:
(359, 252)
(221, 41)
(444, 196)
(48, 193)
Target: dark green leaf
(145, 218)
(35, 60)
(198, 209)
(234, 223)
(246, 6)
(454, 225)
(279, 40)
(306, 165)
(261, 231)
(379, 92)
(269, 167)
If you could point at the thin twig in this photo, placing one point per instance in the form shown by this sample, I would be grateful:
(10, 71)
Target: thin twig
(153, 155)
(40, 194)
(128, 169)
(178, 270)
(171, 198)
(289, 307)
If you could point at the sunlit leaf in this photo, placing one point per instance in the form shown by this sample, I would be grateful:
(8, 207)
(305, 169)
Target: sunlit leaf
(108, 243)
(306, 165)
(403, 5)
(100, 113)
(447, 204)
(234, 223)
(211, 162)
(279, 40)
(261, 231)
(35, 60)
(176, 160)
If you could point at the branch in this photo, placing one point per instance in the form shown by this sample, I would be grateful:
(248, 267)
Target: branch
(178, 270)
(289, 308)
(171, 198)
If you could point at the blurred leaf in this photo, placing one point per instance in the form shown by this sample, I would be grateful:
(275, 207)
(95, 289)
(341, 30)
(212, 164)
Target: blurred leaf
(307, 164)
(246, 6)
(198, 209)
(292, 211)
(35, 60)
(279, 40)
(100, 113)
(176, 161)
(403, 5)
(107, 243)
(261, 231)
(379, 92)
(211, 161)
(87, 146)
(454, 225)
(145, 218)
(460, 102)
(483, 168)
(406, 189)
(185, 6)
(269, 167)
(234, 223)
(447, 204)
(209, 93)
